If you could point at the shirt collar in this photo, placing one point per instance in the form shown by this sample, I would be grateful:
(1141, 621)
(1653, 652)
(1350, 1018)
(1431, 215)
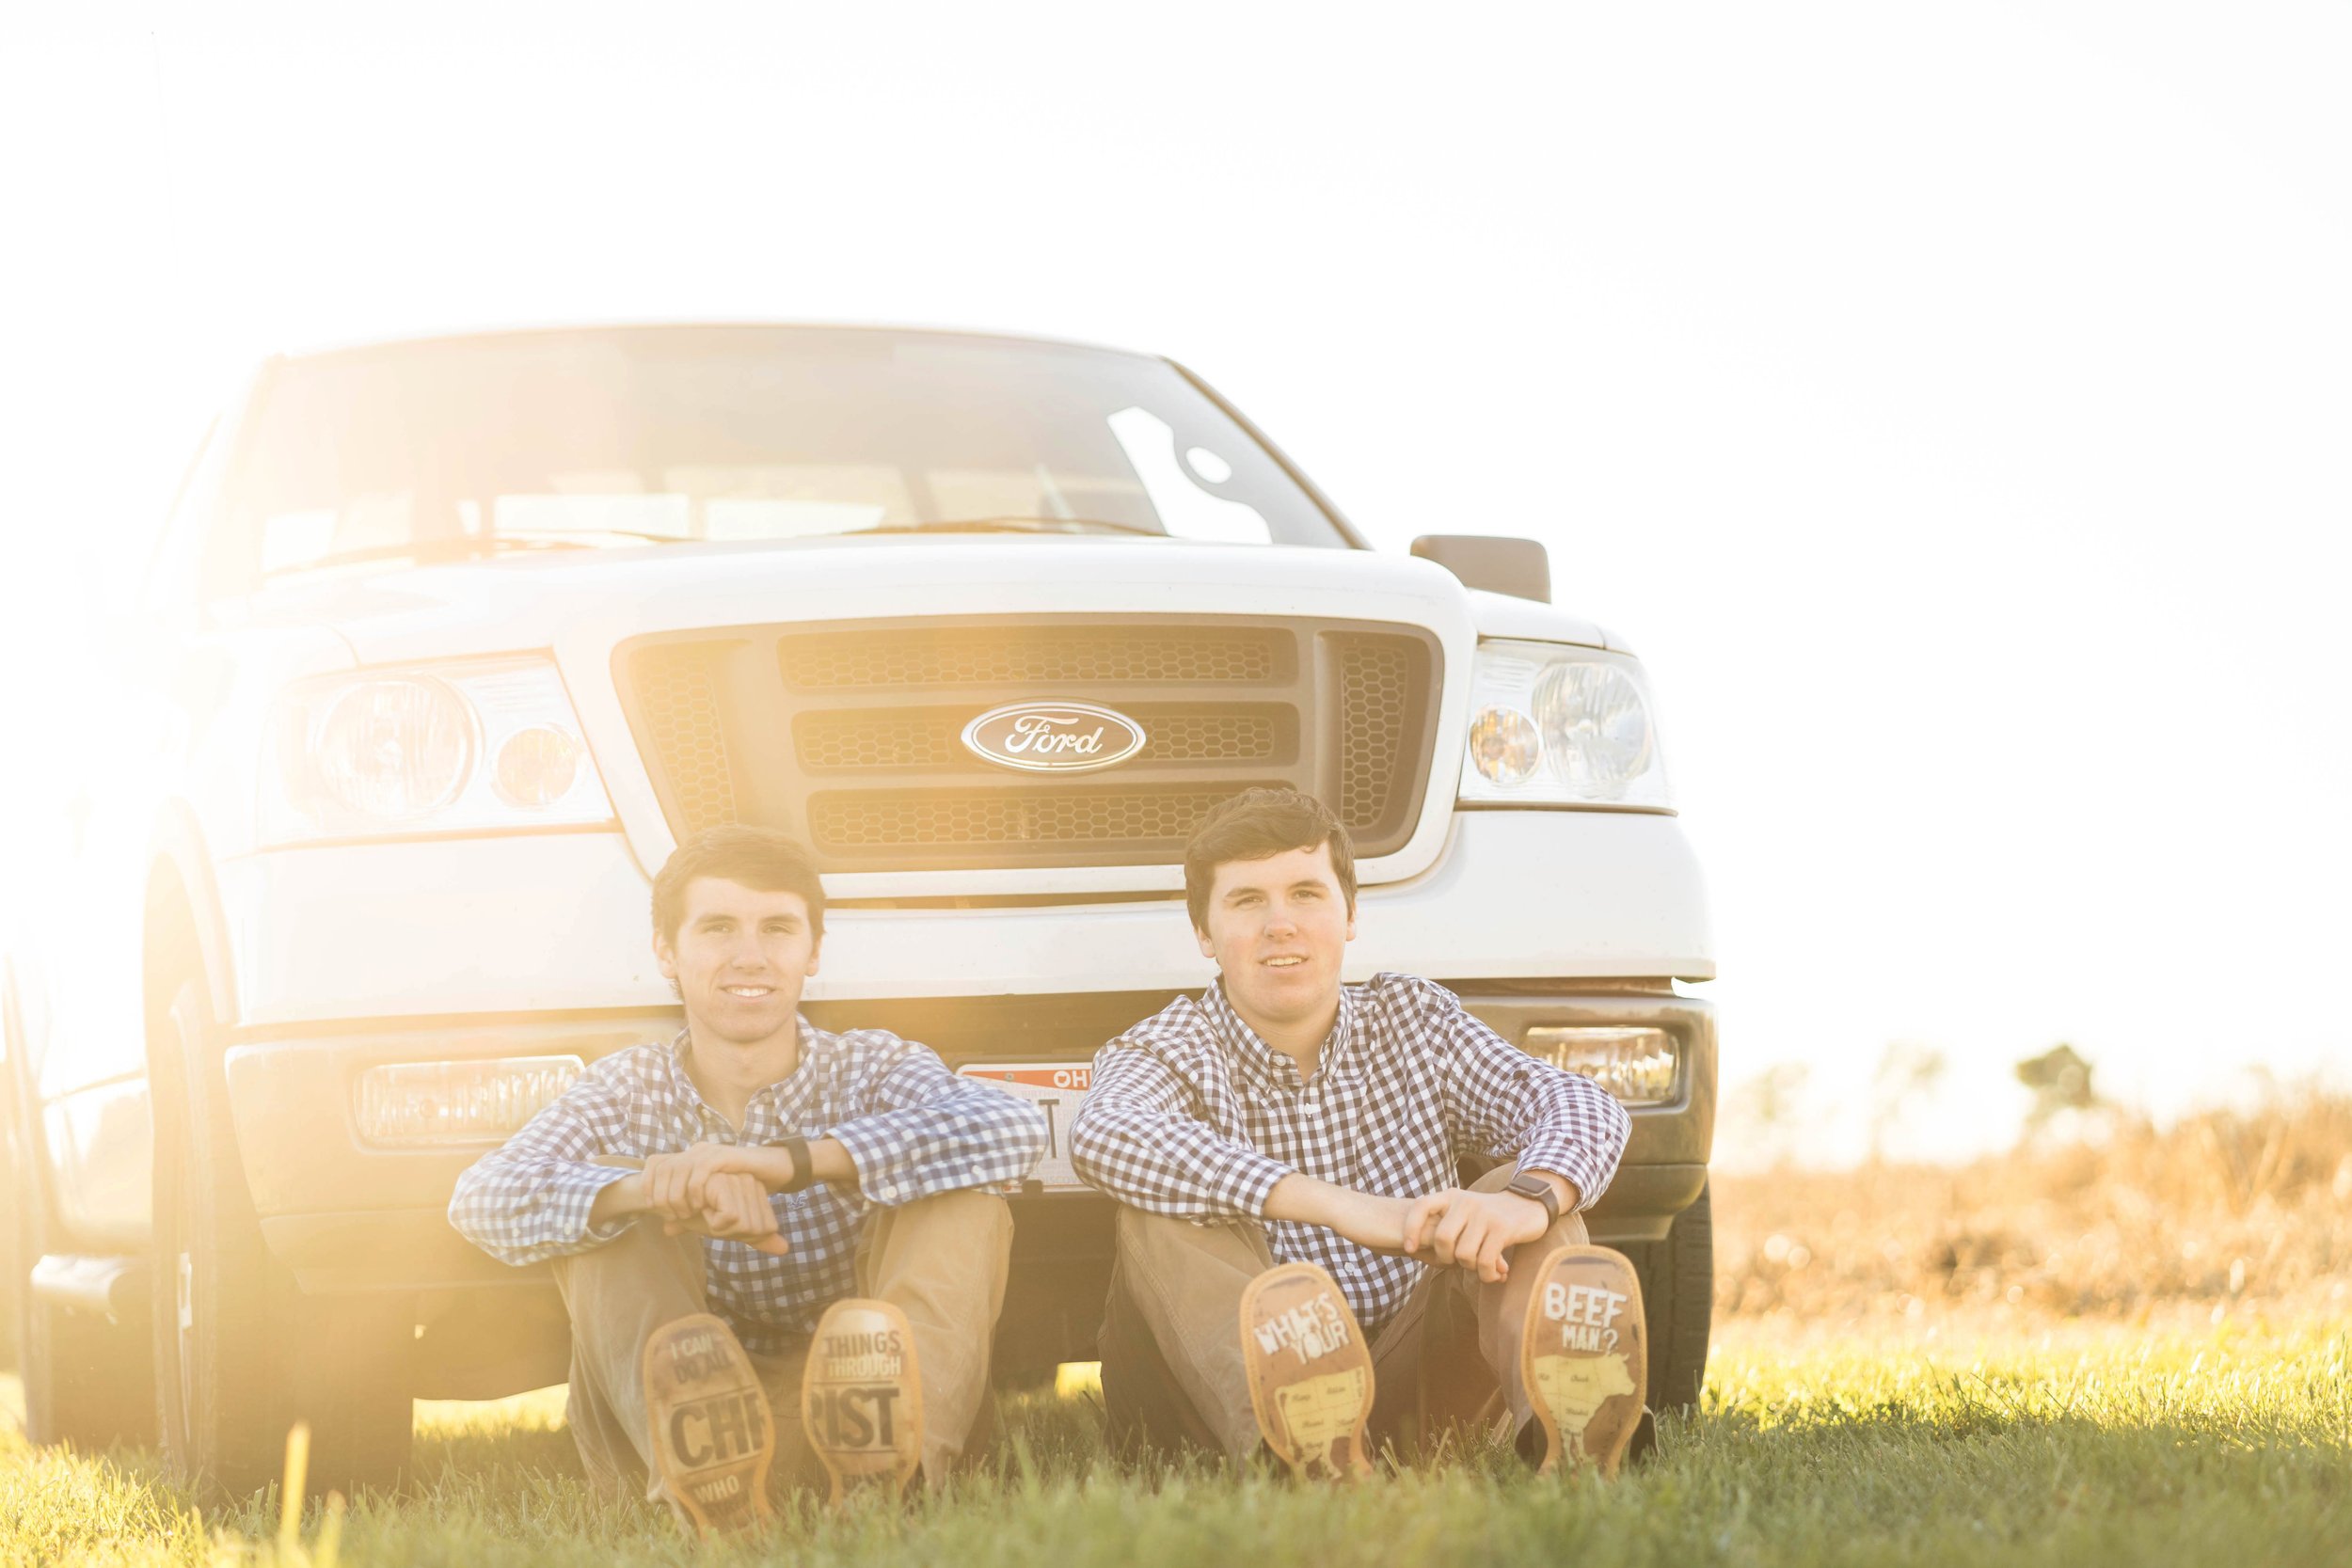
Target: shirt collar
(791, 1093)
(1275, 1067)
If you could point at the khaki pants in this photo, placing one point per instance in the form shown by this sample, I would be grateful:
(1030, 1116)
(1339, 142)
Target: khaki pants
(941, 1260)
(1172, 1371)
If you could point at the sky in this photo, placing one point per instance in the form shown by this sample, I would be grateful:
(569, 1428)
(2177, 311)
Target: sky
(1950, 403)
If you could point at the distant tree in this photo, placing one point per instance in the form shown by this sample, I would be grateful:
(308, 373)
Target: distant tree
(2060, 1081)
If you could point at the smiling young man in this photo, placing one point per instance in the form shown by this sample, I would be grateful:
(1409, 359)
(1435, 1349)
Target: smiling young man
(762, 1170)
(1283, 1119)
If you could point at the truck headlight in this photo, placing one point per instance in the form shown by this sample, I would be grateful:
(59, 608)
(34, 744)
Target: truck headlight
(485, 746)
(393, 751)
(1638, 1066)
(1552, 725)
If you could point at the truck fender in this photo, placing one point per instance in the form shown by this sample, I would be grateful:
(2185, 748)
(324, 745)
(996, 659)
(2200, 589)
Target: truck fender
(177, 857)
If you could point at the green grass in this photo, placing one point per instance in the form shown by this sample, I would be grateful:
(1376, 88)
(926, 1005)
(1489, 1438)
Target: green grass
(2227, 1448)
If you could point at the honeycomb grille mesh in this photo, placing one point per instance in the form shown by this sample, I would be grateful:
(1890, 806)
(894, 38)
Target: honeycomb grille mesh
(849, 741)
(974, 819)
(677, 698)
(1211, 737)
(1379, 689)
(835, 662)
(834, 741)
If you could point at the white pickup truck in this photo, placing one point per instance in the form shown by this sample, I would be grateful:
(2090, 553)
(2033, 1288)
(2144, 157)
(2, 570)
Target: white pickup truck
(451, 640)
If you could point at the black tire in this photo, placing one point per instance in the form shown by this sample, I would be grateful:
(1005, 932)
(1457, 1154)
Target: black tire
(1679, 1310)
(241, 1354)
(350, 1376)
(86, 1380)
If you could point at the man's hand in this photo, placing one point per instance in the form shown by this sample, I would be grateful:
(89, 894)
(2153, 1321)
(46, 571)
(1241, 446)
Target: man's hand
(735, 1208)
(675, 1184)
(1471, 1231)
(695, 1166)
(711, 1189)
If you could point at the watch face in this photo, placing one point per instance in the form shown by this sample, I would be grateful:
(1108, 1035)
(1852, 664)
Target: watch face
(1536, 1188)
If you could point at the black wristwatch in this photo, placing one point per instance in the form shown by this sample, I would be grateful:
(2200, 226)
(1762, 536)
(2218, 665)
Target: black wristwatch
(801, 1175)
(1528, 1184)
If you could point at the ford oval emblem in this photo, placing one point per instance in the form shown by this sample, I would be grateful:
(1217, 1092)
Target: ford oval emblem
(1054, 737)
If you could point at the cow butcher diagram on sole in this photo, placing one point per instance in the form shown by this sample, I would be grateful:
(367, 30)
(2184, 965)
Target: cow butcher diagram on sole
(1584, 1356)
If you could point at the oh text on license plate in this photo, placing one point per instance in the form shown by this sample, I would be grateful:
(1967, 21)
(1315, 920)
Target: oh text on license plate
(1054, 1088)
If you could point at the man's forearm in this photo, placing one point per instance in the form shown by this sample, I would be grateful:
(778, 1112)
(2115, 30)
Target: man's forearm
(1307, 1200)
(770, 1163)
(829, 1161)
(619, 1200)
(1366, 1220)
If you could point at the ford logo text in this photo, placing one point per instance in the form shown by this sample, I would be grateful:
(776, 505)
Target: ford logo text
(1054, 737)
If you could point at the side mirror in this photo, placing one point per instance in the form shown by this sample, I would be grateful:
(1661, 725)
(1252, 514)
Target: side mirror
(1499, 566)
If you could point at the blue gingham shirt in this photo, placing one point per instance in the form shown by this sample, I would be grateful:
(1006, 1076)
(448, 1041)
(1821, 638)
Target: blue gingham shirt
(1193, 1115)
(912, 1128)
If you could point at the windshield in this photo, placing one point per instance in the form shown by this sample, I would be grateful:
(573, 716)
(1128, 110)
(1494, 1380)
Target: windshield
(464, 447)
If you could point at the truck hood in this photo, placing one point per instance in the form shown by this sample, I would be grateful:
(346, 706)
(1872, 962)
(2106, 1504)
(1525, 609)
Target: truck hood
(540, 601)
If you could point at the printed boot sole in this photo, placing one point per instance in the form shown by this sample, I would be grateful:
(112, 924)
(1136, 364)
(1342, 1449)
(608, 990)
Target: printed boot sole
(1584, 1356)
(1310, 1371)
(714, 1437)
(862, 1397)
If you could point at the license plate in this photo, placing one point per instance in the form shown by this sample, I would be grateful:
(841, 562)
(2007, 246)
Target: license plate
(1055, 1090)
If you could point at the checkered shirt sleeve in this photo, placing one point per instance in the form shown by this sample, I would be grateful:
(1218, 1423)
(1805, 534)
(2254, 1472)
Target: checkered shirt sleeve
(528, 1199)
(1144, 1137)
(922, 1129)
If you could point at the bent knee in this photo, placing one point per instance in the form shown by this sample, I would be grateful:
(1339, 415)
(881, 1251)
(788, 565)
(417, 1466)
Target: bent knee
(968, 1209)
(1140, 1233)
(1570, 1230)
(1133, 1227)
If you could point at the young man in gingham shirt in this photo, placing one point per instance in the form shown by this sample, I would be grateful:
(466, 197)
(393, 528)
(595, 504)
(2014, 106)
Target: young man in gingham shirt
(759, 1168)
(1282, 1117)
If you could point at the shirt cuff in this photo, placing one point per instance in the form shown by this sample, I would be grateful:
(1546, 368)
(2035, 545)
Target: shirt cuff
(1251, 1181)
(879, 1154)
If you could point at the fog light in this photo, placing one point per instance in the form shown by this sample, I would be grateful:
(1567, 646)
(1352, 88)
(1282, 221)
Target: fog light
(455, 1102)
(1638, 1066)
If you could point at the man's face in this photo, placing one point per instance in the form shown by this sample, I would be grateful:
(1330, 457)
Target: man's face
(739, 959)
(1276, 927)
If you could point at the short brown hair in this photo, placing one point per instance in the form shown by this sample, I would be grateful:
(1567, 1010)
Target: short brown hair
(1256, 825)
(759, 858)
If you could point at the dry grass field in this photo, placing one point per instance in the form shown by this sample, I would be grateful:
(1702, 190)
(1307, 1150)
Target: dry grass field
(2130, 1350)
(2225, 1214)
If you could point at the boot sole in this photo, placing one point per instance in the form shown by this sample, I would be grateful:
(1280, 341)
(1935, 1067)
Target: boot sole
(1310, 1371)
(714, 1437)
(1584, 1356)
(862, 1397)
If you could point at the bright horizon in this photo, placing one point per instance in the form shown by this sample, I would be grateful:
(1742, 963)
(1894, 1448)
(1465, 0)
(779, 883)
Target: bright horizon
(1951, 412)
